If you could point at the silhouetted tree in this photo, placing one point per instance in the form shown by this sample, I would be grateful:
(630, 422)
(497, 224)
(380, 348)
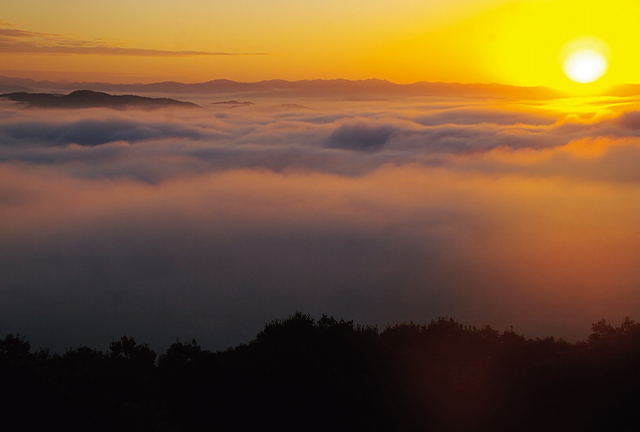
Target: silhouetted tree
(329, 374)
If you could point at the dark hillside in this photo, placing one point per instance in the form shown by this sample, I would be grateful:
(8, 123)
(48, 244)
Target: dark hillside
(300, 374)
(92, 99)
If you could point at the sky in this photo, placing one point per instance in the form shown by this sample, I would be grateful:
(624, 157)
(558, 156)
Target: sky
(469, 41)
(368, 201)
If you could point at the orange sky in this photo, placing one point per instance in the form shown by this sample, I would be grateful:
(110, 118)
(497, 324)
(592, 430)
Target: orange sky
(511, 42)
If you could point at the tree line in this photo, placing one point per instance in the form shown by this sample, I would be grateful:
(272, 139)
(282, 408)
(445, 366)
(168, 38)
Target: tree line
(302, 374)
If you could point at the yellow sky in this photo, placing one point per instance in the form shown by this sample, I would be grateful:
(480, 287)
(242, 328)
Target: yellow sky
(510, 42)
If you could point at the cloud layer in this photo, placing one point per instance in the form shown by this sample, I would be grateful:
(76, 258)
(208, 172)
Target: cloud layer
(207, 223)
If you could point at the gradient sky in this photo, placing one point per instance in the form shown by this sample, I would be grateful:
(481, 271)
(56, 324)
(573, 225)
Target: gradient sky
(509, 42)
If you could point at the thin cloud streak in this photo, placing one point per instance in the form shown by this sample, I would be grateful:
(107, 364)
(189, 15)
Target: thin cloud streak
(15, 41)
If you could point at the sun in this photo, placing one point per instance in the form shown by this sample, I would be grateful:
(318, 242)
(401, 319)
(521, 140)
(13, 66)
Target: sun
(585, 66)
(585, 59)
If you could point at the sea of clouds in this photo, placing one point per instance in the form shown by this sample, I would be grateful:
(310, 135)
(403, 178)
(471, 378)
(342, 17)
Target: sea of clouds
(207, 223)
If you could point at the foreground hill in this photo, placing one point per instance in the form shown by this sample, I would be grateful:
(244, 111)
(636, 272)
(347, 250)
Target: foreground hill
(327, 375)
(93, 99)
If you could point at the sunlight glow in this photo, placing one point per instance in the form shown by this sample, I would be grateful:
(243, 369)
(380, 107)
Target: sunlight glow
(585, 59)
(585, 66)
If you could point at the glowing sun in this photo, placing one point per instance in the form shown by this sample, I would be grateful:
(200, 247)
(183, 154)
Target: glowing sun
(585, 59)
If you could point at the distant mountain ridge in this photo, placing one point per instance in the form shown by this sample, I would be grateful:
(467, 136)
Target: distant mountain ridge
(93, 99)
(340, 88)
(335, 88)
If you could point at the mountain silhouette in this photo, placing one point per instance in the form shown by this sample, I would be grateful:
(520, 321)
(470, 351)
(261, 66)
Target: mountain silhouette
(93, 99)
(337, 88)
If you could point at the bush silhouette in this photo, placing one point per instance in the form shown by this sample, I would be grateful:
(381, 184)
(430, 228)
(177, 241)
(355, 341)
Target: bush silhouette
(329, 374)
